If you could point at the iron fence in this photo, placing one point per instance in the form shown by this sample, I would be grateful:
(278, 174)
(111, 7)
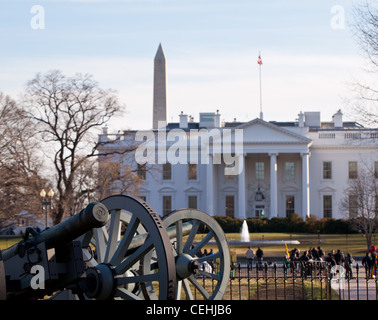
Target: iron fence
(277, 280)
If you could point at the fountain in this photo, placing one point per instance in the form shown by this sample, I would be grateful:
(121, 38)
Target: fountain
(245, 239)
(244, 234)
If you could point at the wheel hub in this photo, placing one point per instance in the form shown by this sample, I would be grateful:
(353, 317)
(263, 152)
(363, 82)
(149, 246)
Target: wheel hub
(186, 265)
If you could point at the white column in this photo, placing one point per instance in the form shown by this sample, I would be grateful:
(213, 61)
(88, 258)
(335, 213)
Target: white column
(210, 186)
(273, 185)
(241, 187)
(305, 185)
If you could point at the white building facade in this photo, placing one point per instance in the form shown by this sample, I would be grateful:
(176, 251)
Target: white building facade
(302, 167)
(286, 168)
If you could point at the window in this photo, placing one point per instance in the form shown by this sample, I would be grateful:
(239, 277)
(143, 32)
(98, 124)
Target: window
(259, 211)
(192, 202)
(141, 171)
(167, 171)
(289, 204)
(353, 206)
(327, 206)
(376, 169)
(260, 170)
(192, 171)
(289, 170)
(352, 169)
(230, 206)
(327, 170)
(167, 205)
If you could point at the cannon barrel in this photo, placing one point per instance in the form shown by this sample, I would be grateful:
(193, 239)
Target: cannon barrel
(95, 215)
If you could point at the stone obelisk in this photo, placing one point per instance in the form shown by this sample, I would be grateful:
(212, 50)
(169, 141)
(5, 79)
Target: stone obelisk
(160, 90)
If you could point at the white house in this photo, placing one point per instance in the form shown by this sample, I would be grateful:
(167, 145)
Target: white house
(246, 169)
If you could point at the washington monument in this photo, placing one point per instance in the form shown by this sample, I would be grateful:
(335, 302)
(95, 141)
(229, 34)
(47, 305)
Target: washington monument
(160, 89)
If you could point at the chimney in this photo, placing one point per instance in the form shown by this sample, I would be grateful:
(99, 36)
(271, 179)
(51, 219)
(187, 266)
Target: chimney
(301, 119)
(337, 119)
(183, 120)
(217, 120)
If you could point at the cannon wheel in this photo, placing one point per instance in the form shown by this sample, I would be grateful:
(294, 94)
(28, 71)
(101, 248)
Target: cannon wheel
(185, 249)
(112, 249)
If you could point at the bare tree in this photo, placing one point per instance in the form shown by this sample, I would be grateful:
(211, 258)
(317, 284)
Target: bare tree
(360, 202)
(67, 110)
(365, 27)
(20, 180)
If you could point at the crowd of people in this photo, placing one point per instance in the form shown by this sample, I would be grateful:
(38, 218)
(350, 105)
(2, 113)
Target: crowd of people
(294, 257)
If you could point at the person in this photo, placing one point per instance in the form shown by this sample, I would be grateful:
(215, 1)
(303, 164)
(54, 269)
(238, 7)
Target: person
(320, 253)
(286, 264)
(339, 257)
(373, 264)
(314, 253)
(304, 264)
(250, 254)
(348, 266)
(259, 255)
(366, 262)
(330, 259)
(372, 249)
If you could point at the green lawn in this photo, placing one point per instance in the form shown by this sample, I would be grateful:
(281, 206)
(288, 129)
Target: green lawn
(353, 243)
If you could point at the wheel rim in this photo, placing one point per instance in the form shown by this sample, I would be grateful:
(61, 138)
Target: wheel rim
(144, 227)
(186, 260)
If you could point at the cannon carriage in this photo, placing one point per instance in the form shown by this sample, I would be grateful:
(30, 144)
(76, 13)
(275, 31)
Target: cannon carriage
(118, 248)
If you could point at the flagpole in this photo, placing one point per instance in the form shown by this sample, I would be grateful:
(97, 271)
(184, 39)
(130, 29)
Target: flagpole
(259, 61)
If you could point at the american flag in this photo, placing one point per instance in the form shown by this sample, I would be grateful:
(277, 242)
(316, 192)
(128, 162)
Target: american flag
(259, 61)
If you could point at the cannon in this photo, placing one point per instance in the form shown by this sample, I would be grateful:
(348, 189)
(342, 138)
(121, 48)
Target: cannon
(53, 251)
(133, 255)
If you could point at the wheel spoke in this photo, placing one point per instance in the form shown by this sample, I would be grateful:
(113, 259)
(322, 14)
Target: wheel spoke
(143, 278)
(192, 234)
(209, 257)
(209, 275)
(200, 288)
(134, 257)
(125, 242)
(202, 243)
(114, 234)
(188, 292)
(127, 295)
(101, 238)
(179, 237)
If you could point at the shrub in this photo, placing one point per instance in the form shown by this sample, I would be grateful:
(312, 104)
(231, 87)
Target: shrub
(294, 223)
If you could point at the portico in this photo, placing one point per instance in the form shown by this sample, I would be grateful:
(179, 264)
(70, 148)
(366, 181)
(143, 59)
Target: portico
(274, 180)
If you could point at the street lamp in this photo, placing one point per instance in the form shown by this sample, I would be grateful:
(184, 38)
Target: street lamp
(48, 202)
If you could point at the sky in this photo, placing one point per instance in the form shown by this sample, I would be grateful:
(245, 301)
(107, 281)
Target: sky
(309, 54)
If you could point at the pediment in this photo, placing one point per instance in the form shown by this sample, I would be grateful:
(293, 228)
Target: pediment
(327, 189)
(192, 190)
(167, 189)
(259, 131)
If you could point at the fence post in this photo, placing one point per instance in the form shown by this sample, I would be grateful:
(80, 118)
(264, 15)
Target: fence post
(284, 279)
(239, 280)
(294, 271)
(275, 279)
(248, 282)
(257, 281)
(266, 280)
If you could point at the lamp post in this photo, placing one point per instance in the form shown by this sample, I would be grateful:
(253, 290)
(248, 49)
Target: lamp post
(46, 202)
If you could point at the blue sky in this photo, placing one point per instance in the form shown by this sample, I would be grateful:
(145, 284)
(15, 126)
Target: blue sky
(211, 49)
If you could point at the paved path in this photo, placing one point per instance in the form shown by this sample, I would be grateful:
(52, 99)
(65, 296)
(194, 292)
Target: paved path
(363, 290)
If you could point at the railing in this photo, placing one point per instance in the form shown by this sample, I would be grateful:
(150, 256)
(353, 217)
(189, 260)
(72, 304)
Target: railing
(297, 281)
